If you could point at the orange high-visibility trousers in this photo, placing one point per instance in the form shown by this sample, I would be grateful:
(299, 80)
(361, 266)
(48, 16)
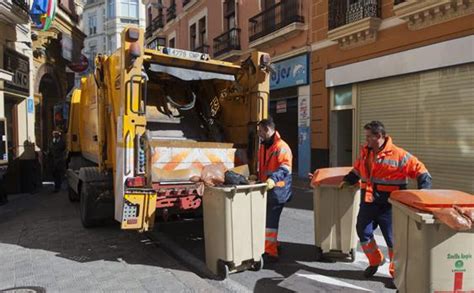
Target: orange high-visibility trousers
(373, 253)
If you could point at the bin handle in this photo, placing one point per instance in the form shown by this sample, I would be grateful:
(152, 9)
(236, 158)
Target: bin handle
(253, 186)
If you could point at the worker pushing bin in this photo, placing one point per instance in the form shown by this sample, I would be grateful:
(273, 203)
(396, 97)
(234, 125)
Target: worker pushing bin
(429, 255)
(234, 227)
(335, 213)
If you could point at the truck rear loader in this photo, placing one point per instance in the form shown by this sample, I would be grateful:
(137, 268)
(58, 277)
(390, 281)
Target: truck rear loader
(145, 121)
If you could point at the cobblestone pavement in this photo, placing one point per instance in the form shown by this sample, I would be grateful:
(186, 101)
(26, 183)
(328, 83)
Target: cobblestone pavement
(42, 243)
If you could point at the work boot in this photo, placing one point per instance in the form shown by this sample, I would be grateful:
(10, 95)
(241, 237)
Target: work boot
(371, 270)
(267, 258)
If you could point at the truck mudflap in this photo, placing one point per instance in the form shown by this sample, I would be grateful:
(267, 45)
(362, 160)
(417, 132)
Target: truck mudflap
(139, 210)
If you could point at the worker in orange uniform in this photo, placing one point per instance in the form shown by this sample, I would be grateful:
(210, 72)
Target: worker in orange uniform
(382, 167)
(274, 168)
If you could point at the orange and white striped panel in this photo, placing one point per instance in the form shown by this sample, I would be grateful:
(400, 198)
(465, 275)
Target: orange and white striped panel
(173, 159)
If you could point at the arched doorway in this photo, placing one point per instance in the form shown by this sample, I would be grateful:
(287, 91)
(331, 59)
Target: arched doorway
(49, 96)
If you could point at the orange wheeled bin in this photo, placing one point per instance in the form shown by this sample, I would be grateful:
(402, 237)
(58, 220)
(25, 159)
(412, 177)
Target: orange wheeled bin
(429, 256)
(335, 214)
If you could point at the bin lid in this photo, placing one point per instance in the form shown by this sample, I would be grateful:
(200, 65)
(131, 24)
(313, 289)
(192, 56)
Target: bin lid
(431, 199)
(329, 176)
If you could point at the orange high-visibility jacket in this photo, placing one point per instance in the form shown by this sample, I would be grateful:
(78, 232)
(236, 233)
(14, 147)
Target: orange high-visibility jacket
(275, 162)
(389, 170)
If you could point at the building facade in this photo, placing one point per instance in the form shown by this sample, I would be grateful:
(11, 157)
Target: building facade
(54, 51)
(104, 20)
(17, 114)
(229, 30)
(407, 63)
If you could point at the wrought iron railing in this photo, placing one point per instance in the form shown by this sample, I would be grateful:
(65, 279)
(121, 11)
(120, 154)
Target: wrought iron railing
(228, 41)
(202, 49)
(156, 24)
(171, 12)
(342, 13)
(275, 17)
(23, 4)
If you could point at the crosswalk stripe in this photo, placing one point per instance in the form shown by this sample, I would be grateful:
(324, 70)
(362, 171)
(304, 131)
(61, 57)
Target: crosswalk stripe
(331, 281)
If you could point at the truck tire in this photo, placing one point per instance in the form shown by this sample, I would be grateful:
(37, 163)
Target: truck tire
(87, 206)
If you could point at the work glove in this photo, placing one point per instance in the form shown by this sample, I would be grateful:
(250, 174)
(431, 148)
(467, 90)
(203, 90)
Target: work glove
(270, 184)
(343, 184)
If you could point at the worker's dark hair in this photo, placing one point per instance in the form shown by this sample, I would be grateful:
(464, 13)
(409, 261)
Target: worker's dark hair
(376, 127)
(267, 123)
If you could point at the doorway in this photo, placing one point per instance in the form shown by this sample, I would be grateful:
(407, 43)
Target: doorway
(341, 138)
(285, 115)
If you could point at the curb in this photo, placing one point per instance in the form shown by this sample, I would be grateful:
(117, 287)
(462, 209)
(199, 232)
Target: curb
(195, 264)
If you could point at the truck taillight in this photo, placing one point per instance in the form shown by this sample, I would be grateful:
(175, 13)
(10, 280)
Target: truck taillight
(135, 182)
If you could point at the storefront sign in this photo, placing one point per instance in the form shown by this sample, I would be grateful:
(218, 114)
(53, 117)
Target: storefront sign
(66, 46)
(290, 72)
(19, 65)
(281, 107)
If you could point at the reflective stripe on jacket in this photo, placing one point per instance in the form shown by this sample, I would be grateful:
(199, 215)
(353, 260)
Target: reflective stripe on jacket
(386, 171)
(275, 162)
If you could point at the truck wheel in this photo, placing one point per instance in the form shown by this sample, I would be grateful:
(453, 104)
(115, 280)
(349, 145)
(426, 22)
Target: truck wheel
(88, 203)
(73, 196)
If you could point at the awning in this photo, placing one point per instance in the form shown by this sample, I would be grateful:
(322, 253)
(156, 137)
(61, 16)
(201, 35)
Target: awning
(190, 74)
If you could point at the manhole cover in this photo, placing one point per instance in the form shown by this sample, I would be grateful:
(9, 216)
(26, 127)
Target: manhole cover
(30, 289)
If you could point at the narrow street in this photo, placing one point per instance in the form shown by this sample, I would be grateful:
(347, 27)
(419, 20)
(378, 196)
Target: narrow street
(297, 270)
(43, 244)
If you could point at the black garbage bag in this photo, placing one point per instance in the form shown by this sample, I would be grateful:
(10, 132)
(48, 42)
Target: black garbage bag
(232, 178)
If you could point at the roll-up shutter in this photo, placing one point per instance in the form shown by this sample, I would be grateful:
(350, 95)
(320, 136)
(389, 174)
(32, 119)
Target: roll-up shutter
(430, 114)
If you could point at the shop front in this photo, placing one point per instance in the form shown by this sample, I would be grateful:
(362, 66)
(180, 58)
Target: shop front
(289, 107)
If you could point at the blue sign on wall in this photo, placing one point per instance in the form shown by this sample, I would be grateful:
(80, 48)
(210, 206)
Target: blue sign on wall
(30, 105)
(290, 72)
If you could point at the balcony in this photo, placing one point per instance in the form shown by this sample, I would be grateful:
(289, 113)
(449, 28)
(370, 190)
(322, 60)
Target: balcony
(227, 44)
(171, 13)
(355, 24)
(202, 49)
(14, 11)
(155, 25)
(280, 21)
(420, 14)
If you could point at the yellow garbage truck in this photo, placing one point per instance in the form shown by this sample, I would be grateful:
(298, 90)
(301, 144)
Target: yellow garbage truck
(144, 122)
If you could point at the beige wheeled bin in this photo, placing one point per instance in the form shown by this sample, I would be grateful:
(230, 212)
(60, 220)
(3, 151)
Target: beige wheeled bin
(429, 256)
(335, 214)
(234, 228)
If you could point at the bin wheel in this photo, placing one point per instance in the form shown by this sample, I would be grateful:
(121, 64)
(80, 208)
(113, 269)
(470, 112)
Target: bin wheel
(353, 255)
(73, 196)
(258, 265)
(222, 270)
(319, 253)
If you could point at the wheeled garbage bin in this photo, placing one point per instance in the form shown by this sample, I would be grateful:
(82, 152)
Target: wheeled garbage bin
(234, 228)
(429, 256)
(335, 214)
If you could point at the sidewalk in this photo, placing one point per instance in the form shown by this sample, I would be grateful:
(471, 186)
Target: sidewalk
(43, 244)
